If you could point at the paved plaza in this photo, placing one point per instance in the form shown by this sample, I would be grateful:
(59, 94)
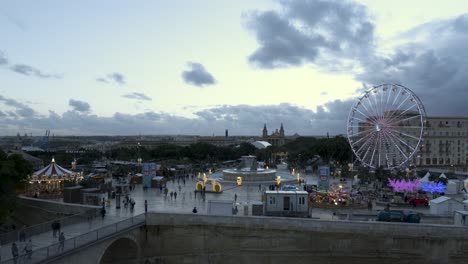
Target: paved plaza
(247, 193)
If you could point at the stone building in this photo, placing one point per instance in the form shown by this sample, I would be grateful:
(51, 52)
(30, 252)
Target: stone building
(446, 143)
(276, 138)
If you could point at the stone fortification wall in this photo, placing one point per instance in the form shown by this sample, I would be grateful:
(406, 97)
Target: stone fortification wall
(219, 239)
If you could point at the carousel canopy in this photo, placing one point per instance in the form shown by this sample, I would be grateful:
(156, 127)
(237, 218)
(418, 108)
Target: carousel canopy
(52, 169)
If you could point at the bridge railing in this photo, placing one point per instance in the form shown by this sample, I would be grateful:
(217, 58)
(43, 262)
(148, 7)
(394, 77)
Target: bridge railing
(45, 227)
(56, 249)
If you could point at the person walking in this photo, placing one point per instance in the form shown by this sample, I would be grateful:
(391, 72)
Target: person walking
(62, 241)
(146, 206)
(14, 252)
(171, 194)
(195, 210)
(175, 195)
(235, 197)
(59, 227)
(103, 212)
(28, 249)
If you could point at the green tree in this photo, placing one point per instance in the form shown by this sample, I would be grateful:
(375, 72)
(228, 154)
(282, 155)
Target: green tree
(13, 170)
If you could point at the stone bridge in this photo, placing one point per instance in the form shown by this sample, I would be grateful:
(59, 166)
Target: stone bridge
(189, 238)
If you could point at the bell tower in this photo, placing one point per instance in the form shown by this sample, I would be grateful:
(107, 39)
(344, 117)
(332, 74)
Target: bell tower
(281, 130)
(265, 131)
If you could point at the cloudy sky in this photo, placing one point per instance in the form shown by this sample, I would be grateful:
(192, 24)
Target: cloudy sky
(199, 67)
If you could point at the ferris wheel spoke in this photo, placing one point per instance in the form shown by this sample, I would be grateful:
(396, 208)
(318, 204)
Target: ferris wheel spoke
(367, 110)
(409, 118)
(368, 131)
(372, 106)
(374, 149)
(404, 143)
(369, 137)
(406, 127)
(401, 114)
(355, 142)
(362, 120)
(397, 146)
(382, 105)
(386, 145)
(370, 114)
(367, 143)
(396, 97)
(389, 151)
(388, 99)
(404, 134)
(376, 107)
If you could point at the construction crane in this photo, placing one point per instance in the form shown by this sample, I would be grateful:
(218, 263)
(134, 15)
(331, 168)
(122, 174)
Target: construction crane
(44, 143)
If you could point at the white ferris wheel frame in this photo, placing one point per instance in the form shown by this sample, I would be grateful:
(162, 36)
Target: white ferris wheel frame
(380, 129)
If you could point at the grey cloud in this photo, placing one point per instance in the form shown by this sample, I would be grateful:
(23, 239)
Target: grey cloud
(21, 109)
(240, 119)
(434, 67)
(137, 96)
(79, 106)
(197, 75)
(3, 59)
(2, 114)
(100, 79)
(311, 31)
(31, 71)
(114, 77)
(117, 77)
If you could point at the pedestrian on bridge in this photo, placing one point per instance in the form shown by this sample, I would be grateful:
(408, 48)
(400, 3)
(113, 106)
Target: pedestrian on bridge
(146, 206)
(171, 194)
(175, 195)
(28, 248)
(62, 241)
(14, 252)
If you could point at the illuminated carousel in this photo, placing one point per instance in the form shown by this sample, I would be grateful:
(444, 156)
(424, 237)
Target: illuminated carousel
(50, 179)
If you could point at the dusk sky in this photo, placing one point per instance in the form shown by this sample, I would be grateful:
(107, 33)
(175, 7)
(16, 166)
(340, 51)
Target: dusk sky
(199, 67)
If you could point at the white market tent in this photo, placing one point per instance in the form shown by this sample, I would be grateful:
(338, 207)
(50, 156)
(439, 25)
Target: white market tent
(261, 144)
(452, 187)
(465, 183)
(425, 179)
(442, 175)
(444, 205)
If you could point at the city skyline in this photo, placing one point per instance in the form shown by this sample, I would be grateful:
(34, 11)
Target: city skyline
(199, 67)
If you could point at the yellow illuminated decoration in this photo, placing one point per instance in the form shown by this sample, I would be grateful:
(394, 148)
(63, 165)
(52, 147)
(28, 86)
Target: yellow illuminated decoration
(209, 171)
(293, 171)
(278, 180)
(199, 186)
(205, 179)
(298, 176)
(239, 181)
(199, 175)
(216, 186)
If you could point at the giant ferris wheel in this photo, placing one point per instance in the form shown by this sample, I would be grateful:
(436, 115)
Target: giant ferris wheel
(386, 126)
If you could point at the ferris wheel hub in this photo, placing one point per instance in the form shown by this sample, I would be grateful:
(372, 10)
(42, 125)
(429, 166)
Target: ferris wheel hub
(378, 127)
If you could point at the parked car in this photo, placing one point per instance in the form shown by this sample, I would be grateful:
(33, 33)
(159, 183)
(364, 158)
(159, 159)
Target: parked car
(418, 201)
(399, 216)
